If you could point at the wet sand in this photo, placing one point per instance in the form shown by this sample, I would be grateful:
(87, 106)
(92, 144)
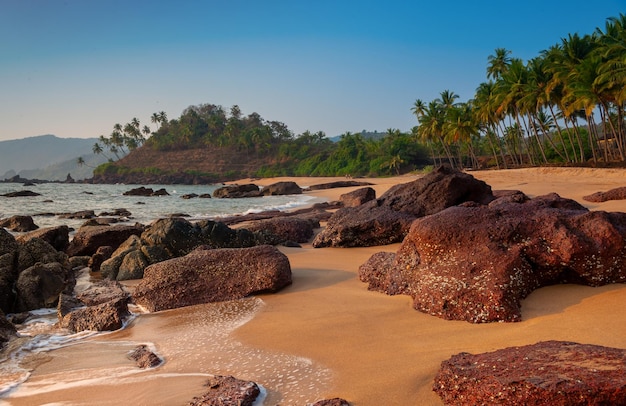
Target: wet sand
(327, 335)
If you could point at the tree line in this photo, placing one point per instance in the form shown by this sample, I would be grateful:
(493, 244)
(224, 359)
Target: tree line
(564, 106)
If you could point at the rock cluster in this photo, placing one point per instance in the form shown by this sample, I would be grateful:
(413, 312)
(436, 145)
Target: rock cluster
(32, 274)
(144, 191)
(169, 238)
(546, 373)
(476, 262)
(387, 220)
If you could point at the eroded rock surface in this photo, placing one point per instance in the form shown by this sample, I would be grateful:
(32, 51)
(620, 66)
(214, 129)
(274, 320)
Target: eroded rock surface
(212, 275)
(546, 373)
(227, 390)
(476, 262)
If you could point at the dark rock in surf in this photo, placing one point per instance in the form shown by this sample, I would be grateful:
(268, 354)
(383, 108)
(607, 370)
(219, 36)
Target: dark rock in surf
(546, 373)
(227, 390)
(144, 357)
(21, 193)
(212, 275)
(144, 191)
(87, 240)
(331, 402)
(19, 224)
(108, 316)
(237, 191)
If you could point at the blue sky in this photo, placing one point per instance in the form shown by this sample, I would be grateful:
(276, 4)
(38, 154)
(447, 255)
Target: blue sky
(74, 68)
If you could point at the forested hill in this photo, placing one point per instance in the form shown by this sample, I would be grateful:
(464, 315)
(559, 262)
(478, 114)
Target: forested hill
(207, 144)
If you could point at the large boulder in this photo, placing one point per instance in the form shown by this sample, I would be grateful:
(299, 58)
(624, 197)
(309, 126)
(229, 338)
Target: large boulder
(170, 238)
(107, 316)
(280, 229)
(387, 219)
(57, 236)
(40, 285)
(237, 191)
(88, 239)
(475, 262)
(357, 197)
(282, 188)
(546, 373)
(35, 250)
(20, 224)
(212, 275)
(227, 390)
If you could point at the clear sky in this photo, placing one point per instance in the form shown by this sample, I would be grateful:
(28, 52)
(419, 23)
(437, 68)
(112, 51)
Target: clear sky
(74, 68)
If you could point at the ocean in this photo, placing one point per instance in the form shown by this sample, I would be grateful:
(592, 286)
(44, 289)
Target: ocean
(56, 198)
(36, 370)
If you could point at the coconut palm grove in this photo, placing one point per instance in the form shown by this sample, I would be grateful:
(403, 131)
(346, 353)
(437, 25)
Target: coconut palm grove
(565, 106)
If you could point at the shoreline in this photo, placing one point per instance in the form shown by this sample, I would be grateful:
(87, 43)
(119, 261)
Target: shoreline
(330, 333)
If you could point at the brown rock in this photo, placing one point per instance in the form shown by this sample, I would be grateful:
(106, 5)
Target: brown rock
(227, 390)
(341, 183)
(476, 263)
(280, 229)
(144, 357)
(57, 236)
(40, 285)
(21, 193)
(101, 292)
(613, 194)
(107, 316)
(212, 275)
(282, 188)
(88, 239)
(19, 224)
(7, 330)
(35, 250)
(387, 219)
(546, 373)
(357, 197)
(331, 402)
(102, 254)
(237, 191)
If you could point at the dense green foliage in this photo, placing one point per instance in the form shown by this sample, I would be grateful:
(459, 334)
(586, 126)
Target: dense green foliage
(564, 106)
(279, 152)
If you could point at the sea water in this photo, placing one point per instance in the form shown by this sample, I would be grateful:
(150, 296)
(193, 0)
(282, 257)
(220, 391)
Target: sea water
(41, 334)
(59, 198)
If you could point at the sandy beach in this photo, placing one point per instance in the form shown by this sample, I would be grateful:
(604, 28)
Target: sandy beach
(326, 335)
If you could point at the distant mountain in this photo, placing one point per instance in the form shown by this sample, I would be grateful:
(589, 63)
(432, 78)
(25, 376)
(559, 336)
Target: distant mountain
(48, 157)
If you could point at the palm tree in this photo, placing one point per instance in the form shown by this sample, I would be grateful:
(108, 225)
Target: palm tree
(498, 63)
